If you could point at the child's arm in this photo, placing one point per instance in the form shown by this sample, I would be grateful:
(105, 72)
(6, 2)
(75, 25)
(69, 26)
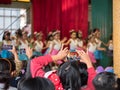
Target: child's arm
(105, 44)
(68, 42)
(63, 40)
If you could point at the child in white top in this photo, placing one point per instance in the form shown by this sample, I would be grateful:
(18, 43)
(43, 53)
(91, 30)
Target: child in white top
(38, 45)
(91, 47)
(80, 40)
(73, 42)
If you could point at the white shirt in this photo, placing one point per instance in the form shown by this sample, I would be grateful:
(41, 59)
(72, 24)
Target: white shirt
(73, 44)
(38, 46)
(57, 44)
(92, 47)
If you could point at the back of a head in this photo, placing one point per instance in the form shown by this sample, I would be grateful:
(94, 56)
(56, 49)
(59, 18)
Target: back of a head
(36, 83)
(83, 73)
(5, 69)
(105, 81)
(70, 76)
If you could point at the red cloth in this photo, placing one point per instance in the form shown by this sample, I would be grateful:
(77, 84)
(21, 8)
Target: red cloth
(36, 69)
(5, 1)
(60, 14)
(91, 75)
(38, 63)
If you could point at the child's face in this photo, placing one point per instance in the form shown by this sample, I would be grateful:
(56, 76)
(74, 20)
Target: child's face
(40, 37)
(57, 36)
(7, 37)
(79, 35)
(73, 35)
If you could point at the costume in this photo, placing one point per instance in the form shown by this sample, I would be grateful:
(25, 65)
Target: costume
(91, 49)
(73, 45)
(21, 50)
(38, 48)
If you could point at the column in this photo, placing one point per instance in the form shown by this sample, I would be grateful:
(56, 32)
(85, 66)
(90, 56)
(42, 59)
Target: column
(116, 36)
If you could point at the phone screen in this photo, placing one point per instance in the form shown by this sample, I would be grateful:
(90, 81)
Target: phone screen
(73, 56)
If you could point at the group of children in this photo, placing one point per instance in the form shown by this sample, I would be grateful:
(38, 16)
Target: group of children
(68, 75)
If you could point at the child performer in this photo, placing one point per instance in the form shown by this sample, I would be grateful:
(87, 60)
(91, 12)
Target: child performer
(49, 43)
(73, 42)
(80, 40)
(38, 46)
(98, 52)
(56, 43)
(22, 45)
(91, 47)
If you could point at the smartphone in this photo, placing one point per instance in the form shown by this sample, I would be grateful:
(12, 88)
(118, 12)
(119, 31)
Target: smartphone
(7, 47)
(22, 51)
(73, 56)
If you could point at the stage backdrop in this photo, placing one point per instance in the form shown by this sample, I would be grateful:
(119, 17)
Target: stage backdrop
(102, 19)
(60, 14)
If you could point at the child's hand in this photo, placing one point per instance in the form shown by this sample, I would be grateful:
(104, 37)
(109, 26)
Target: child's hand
(29, 52)
(62, 53)
(84, 58)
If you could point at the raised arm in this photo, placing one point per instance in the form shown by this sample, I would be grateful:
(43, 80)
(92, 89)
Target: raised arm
(38, 63)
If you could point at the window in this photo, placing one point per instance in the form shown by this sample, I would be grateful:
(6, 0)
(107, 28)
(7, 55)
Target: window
(11, 19)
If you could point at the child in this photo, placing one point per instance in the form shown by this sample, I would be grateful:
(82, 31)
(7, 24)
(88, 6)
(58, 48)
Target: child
(22, 45)
(38, 45)
(98, 52)
(91, 47)
(56, 43)
(49, 43)
(80, 40)
(73, 42)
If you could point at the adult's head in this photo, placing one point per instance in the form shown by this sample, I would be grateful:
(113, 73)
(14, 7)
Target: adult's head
(83, 73)
(105, 81)
(70, 76)
(5, 72)
(36, 83)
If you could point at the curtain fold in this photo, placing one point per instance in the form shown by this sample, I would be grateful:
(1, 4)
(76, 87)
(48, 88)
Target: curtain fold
(60, 14)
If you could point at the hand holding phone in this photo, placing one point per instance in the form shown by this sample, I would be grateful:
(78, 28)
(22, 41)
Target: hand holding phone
(73, 56)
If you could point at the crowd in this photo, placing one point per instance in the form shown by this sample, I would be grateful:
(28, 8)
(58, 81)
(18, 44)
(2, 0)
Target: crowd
(65, 64)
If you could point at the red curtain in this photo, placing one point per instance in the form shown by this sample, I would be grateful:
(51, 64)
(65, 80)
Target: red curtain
(60, 14)
(5, 1)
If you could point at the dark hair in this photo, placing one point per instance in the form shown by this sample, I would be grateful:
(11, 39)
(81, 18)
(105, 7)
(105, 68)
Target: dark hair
(105, 81)
(6, 33)
(28, 72)
(95, 29)
(49, 37)
(83, 73)
(70, 76)
(5, 69)
(36, 83)
(18, 33)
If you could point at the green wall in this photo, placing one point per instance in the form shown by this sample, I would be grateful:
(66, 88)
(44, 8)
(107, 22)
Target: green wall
(102, 19)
